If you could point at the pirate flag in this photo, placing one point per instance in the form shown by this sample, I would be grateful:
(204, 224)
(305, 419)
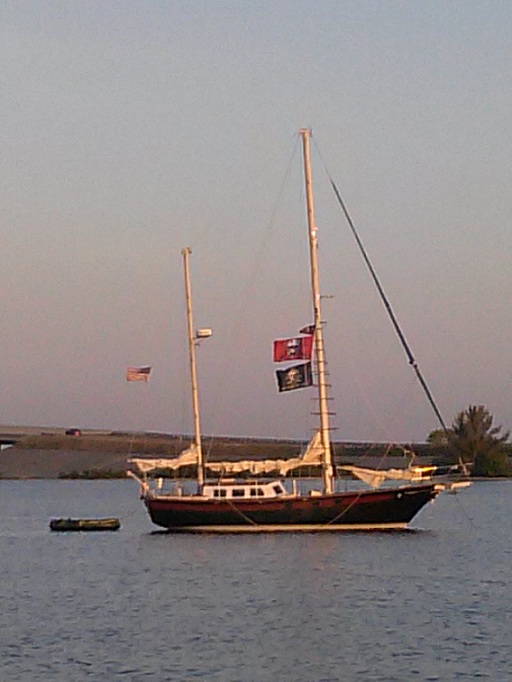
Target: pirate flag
(298, 348)
(297, 376)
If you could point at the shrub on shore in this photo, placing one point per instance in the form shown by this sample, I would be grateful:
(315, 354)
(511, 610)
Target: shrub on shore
(93, 474)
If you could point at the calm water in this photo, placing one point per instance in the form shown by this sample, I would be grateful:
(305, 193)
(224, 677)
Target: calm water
(434, 604)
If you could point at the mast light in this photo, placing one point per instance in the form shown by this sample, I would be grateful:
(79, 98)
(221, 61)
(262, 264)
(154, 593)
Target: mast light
(203, 333)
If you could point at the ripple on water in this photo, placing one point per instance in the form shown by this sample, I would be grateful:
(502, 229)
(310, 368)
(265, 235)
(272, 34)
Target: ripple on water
(429, 605)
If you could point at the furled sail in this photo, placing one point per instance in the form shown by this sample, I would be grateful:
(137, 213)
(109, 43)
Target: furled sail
(311, 457)
(314, 452)
(375, 477)
(188, 457)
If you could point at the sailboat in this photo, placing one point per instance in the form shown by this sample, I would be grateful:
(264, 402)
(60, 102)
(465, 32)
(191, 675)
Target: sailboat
(232, 504)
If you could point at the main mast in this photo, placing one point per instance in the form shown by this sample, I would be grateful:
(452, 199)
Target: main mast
(327, 469)
(193, 374)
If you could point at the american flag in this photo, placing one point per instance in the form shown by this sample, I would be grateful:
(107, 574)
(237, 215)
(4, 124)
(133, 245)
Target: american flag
(138, 373)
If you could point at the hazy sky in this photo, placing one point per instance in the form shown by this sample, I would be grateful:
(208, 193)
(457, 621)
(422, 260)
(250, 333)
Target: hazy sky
(132, 129)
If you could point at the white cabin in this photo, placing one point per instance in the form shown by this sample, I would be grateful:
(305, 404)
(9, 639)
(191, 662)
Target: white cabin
(231, 489)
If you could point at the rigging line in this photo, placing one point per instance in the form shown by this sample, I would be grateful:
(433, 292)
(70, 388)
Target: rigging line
(238, 318)
(387, 304)
(239, 194)
(271, 225)
(388, 307)
(244, 516)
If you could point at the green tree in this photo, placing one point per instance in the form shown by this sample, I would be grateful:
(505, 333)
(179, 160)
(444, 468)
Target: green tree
(474, 440)
(438, 438)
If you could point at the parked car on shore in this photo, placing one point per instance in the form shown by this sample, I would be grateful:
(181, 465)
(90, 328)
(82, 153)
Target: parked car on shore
(73, 432)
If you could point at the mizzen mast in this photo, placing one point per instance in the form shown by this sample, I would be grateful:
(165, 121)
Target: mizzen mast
(327, 469)
(193, 373)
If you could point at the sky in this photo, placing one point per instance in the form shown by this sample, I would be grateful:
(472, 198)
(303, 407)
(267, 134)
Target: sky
(133, 129)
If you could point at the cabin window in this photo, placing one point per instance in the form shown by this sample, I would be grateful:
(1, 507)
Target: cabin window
(278, 490)
(219, 492)
(261, 492)
(254, 492)
(238, 492)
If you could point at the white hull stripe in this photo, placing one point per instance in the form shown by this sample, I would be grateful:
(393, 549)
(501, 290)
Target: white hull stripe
(289, 528)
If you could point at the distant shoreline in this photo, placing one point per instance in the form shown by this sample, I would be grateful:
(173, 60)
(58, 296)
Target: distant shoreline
(151, 443)
(51, 454)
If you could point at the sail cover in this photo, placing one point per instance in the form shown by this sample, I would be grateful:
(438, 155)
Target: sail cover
(375, 477)
(312, 457)
(152, 466)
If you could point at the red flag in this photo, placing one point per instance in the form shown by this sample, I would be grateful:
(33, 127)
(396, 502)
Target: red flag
(298, 348)
(310, 329)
